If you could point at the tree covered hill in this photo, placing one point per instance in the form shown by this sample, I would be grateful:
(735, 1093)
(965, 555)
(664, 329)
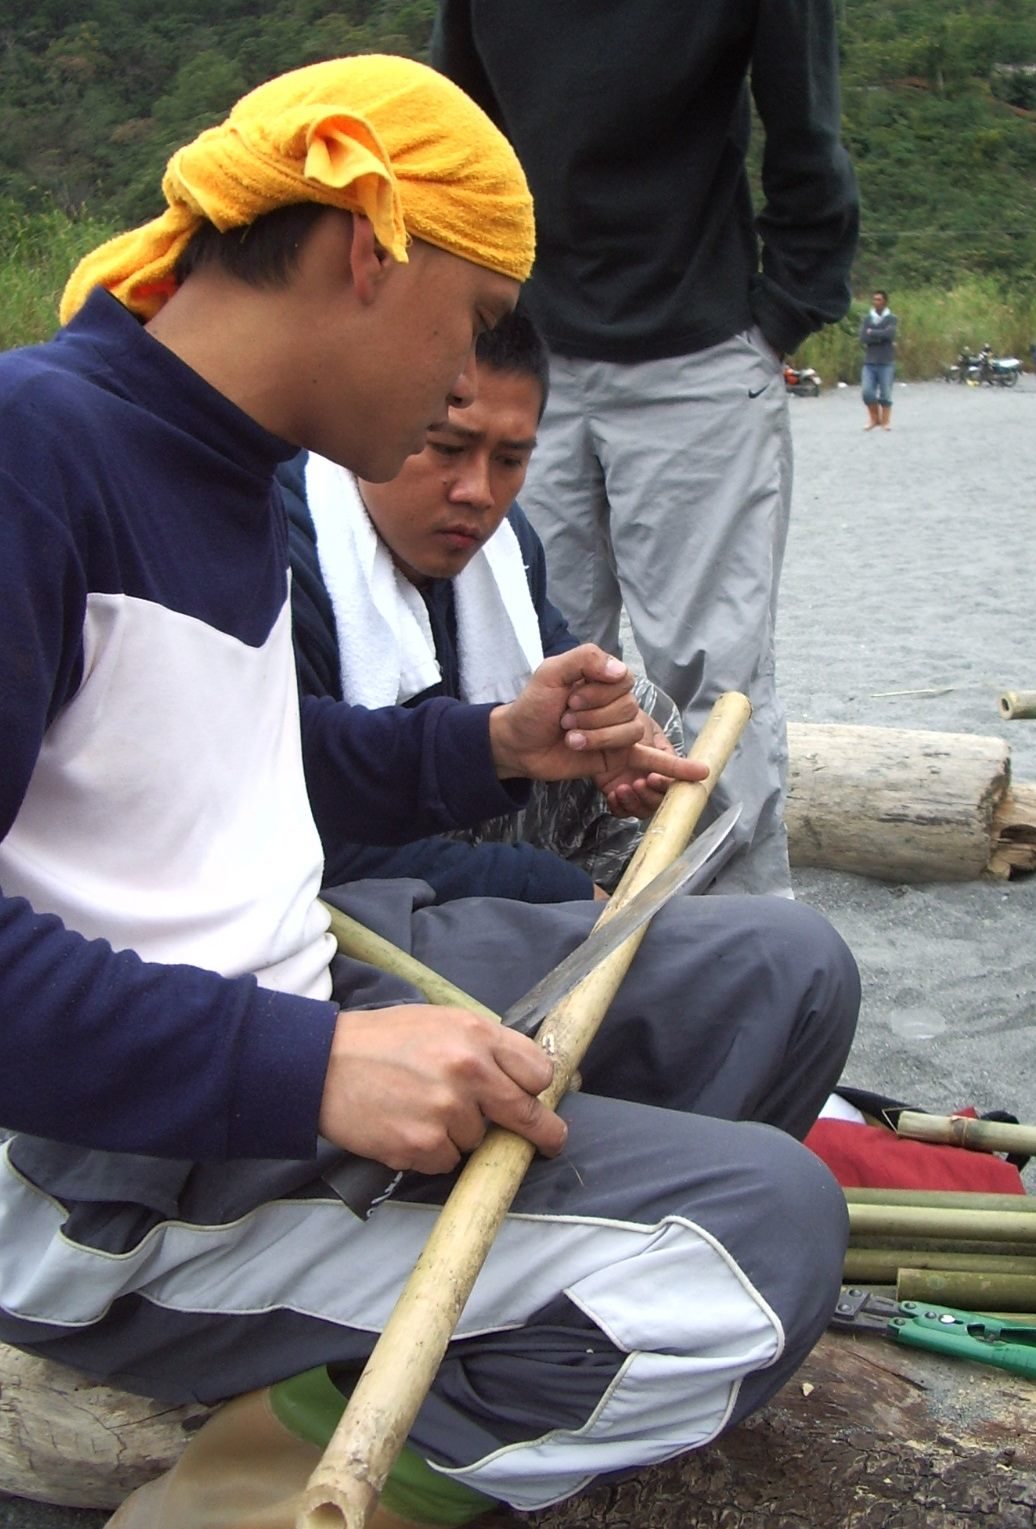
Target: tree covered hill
(96, 94)
(939, 110)
(939, 105)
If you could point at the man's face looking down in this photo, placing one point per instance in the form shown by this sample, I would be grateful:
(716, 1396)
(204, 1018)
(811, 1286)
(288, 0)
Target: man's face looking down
(451, 496)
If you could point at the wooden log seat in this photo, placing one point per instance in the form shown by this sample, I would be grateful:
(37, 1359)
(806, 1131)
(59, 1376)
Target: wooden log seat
(903, 805)
(868, 1434)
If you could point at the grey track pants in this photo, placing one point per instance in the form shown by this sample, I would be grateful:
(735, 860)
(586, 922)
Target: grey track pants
(665, 487)
(651, 1286)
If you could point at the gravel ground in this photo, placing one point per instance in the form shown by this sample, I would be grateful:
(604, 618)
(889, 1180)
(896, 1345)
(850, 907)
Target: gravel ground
(909, 568)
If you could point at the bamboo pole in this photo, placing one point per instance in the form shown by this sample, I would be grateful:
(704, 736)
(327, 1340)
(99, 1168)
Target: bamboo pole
(345, 1486)
(942, 1199)
(984, 1247)
(923, 1221)
(964, 1131)
(356, 940)
(967, 1290)
(881, 1266)
(1017, 703)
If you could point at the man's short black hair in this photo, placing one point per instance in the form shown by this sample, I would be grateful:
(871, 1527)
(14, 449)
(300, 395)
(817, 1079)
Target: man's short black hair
(261, 253)
(879, 293)
(515, 345)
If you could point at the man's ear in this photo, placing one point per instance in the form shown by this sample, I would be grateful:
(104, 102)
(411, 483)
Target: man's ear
(369, 263)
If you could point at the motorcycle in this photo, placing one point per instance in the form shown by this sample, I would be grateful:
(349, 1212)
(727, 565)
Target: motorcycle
(804, 382)
(998, 371)
(961, 369)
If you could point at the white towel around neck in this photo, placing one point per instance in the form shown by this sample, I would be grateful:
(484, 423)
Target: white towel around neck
(385, 645)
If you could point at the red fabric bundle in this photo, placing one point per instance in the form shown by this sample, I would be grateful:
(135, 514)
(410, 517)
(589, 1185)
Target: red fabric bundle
(872, 1157)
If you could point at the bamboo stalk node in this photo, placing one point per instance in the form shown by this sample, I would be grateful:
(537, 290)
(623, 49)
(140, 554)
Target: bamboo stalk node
(966, 1131)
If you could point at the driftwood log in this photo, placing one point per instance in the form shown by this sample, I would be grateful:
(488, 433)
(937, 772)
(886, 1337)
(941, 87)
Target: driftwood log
(64, 1438)
(903, 805)
(868, 1435)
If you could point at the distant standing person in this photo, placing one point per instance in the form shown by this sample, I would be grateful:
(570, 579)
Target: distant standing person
(662, 477)
(878, 338)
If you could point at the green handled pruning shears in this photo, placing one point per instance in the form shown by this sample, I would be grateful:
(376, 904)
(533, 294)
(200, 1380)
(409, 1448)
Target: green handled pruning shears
(940, 1329)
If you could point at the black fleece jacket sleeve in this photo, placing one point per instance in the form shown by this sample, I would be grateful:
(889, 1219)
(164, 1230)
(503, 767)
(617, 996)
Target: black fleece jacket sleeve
(809, 223)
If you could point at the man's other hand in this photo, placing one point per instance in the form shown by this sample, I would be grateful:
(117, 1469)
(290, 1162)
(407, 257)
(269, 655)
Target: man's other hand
(577, 717)
(634, 794)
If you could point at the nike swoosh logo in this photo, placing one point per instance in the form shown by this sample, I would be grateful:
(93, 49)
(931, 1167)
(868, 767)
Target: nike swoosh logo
(754, 392)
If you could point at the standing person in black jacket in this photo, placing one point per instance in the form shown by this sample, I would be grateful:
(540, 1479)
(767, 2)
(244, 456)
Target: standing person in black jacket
(878, 338)
(662, 481)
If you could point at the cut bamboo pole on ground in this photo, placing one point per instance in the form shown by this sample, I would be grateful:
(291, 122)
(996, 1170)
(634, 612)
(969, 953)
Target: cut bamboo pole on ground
(910, 1221)
(911, 1249)
(905, 805)
(881, 1266)
(968, 1290)
(1015, 704)
(879, 1259)
(966, 1131)
(346, 1485)
(942, 1199)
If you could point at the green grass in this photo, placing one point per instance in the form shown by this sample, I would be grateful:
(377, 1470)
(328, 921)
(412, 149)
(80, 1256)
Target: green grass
(39, 250)
(37, 253)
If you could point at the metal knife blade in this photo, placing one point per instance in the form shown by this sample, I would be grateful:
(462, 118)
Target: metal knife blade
(533, 1006)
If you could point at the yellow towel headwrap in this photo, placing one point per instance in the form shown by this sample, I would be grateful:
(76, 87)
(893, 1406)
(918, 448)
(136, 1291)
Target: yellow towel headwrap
(386, 137)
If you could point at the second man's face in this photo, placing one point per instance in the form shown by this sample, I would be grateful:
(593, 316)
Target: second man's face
(450, 497)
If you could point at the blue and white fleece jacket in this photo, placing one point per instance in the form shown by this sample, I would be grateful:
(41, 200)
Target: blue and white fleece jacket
(165, 1009)
(161, 809)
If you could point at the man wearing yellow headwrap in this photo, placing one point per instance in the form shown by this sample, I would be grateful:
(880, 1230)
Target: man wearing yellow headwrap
(292, 141)
(295, 139)
(195, 1081)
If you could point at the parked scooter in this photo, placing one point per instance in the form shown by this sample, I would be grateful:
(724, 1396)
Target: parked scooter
(803, 382)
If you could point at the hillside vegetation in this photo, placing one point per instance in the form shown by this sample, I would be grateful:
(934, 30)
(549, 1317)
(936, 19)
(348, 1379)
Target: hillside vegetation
(939, 116)
(939, 105)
